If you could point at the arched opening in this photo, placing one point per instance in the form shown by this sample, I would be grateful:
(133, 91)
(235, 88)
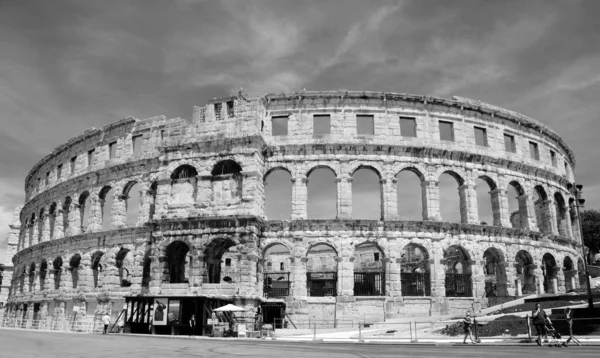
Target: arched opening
(569, 272)
(321, 271)
(85, 204)
(458, 272)
(57, 266)
(561, 214)
(227, 181)
(32, 277)
(548, 269)
(213, 258)
(415, 271)
(409, 195)
(525, 281)
(40, 224)
(276, 276)
(123, 265)
(581, 272)
(52, 219)
(31, 229)
(21, 276)
(97, 268)
(74, 263)
(322, 194)
(146, 269)
(366, 193)
(43, 272)
(495, 273)
(183, 185)
(450, 206)
(369, 270)
(152, 194)
(132, 196)
(484, 200)
(107, 195)
(66, 213)
(176, 254)
(278, 194)
(517, 206)
(540, 203)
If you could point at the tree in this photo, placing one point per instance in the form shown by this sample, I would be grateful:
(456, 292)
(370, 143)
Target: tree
(590, 225)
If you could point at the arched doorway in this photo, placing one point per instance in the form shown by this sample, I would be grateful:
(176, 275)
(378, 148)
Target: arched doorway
(495, 273)
(369, 270)
(321, 271)
(276, 271)
(549, 272)
(458, 272)
(415, 271)
(176, 254)
(213, 255)
(525, 281)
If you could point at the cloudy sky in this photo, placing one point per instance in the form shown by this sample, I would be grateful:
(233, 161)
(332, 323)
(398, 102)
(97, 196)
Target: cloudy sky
(66, 66)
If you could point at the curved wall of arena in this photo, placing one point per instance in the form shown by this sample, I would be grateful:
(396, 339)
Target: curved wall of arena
(200, 227)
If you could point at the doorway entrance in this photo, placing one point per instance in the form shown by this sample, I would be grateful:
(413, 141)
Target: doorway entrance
(274, 314)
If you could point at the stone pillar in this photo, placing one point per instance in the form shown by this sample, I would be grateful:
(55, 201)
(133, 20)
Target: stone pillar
(45, 227)
(389, 199)
(559, 279)
(550, 208)
(345, 272)
(431, 200)
(505, 279)
(35, 234)
(527, 213)
(58, 225)
(163, 194)
(299, 198)
(518, 288)
(393, 277)
(75, 220)
(96, 217)
(539, 280)
(468, 204)
(568, 224)
(144, 208)
(477, 277)
(500, 208)
(119, 212)
(344, 197)
(299, 288)
(438, 273)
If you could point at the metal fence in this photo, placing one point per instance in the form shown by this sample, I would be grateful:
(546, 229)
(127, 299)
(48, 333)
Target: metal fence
(415, 284)
(321, 284)
(369, 284)
(66, 324)
(276, 284)
(458, 285)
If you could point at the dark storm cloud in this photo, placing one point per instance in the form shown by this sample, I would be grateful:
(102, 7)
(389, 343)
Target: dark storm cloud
(70, 65)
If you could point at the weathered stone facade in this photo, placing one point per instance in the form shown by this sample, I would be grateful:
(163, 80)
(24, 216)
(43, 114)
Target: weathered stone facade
(201, 228)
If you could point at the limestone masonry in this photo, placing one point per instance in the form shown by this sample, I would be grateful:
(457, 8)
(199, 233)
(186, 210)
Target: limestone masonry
(173, 211)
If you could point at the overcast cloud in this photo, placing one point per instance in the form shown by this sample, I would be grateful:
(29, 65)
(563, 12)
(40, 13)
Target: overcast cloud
(66, 66)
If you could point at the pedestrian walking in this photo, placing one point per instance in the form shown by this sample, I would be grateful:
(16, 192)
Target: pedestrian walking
(106, 321)
(539, 321)
(467, 323)
(192, 324)
(569, 318)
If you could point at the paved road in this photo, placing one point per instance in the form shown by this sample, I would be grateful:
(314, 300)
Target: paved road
(15, 343)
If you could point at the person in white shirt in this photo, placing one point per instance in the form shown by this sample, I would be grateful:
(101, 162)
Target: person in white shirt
(106, 321)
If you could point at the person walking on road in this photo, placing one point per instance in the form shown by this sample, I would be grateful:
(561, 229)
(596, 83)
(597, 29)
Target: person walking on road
(539, 321)
(467, 323)
(106, 321)
(192, 324)
(569, 319)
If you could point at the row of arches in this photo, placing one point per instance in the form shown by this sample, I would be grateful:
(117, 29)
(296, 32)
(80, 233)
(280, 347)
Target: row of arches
(366, 195)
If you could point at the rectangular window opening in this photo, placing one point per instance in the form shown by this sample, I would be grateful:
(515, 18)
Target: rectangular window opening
(279, 125)
(408, 127)
(73, 160)
(534, 151)
(230, 111)
(509, 143)
(553, 158)
(321, 124)
(90, 157)
(446, 131)
(218, 107)
(112, 150)
(376, 256)
(481, 136)
(136, 141)
(365, 124)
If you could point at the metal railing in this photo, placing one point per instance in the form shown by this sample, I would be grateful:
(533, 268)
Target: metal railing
(276, 284)
(369, 284)
(415, 284)
(65, 324)
(458, 285)
(321, 284)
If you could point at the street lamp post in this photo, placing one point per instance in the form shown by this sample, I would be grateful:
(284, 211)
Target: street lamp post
(578, 202)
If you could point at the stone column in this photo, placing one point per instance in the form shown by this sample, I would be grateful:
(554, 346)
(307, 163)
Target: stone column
(527, 213)
(393, 278)
(539, 279)
(299, 288)
(344, 197)
(477, 277)
(58, 224)
(96, 217)
(431, 200)
(144, 207)
(75, 219)
(559, 279)
(119, 212)
(500, 208)
(299, 198)
(568, 224)
(45, 227)
(163, 194)
(468, 204)
(506, 279)
(345, 272)
(389, 199)
(437, 266)
(35, 232)
(248, 275)
(550, 208)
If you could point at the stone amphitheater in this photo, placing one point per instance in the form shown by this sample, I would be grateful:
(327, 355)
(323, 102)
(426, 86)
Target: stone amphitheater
(170, 214)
